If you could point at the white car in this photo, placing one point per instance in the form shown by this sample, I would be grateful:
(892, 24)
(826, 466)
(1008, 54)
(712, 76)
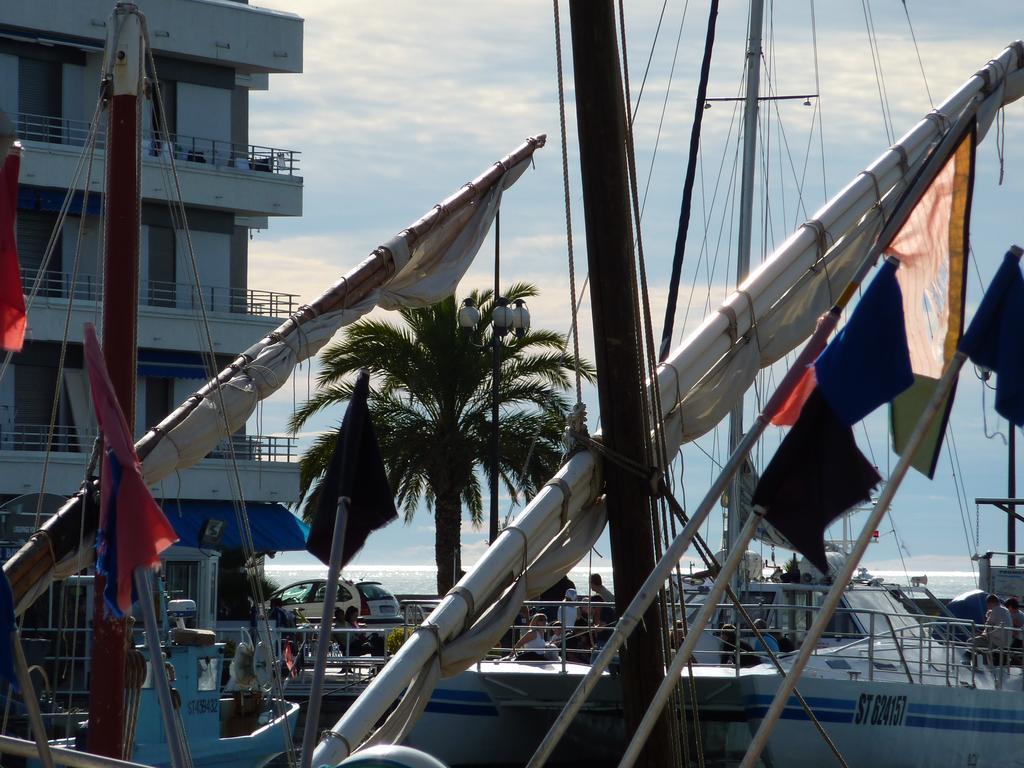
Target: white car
(308, 597)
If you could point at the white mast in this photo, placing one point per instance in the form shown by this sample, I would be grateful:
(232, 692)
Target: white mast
(732, 526)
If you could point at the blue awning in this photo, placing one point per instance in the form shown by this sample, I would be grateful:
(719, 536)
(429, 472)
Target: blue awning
(50, 199)
(274, 528)
(171, 364)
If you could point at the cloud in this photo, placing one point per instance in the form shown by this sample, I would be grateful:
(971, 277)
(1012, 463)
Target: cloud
(402, 103)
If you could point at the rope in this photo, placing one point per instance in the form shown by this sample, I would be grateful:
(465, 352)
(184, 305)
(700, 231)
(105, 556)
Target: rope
(917, 50)
(237, 499)
(650, 56)
(664, 107)
(876, 63)
(691, 173)
(712, 564)
(574, 330)
(817, 104)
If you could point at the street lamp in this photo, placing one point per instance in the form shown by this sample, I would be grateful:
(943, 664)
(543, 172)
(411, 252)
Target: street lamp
(505, 319)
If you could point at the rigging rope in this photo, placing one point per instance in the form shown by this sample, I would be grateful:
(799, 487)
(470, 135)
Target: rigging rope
(876, 63)
(920, 62)
(817, 103)
(177, 206)
(664, 109)
(574, 329)
(688, 182)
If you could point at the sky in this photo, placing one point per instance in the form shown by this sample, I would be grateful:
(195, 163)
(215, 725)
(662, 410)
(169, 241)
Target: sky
(401, 103)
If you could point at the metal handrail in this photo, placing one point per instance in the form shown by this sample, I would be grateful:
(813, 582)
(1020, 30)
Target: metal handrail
(68, 439)
(160, 293)
(191, 149)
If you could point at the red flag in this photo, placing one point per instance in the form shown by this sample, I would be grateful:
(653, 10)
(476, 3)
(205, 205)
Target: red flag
(12, 298)
(132, 529)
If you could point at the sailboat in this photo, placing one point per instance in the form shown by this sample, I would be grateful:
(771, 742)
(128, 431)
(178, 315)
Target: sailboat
(562, 522)
(698, 384)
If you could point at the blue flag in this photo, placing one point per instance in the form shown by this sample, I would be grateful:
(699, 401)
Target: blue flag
(7, 627)
(868, 362)
(993, 339)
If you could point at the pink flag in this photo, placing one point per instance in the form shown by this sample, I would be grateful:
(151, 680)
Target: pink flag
(132, 529)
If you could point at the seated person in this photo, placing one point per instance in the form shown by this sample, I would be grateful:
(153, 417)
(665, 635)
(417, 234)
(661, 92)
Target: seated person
(767, 641)
(995, 636)
(352, 643)
(532, 646)
(731, 644)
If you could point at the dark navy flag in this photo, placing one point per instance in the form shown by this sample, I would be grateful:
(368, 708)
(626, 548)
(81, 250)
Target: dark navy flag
(7, 635)
(816, 474)
(868, 362)
(356, 470)
(994, 338)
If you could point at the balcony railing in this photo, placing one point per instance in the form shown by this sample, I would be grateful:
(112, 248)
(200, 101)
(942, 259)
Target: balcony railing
(188, 149)
(67, 439)
(157, 293)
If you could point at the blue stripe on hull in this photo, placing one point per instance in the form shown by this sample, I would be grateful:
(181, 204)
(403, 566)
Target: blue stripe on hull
(444, 708)
(919, 715)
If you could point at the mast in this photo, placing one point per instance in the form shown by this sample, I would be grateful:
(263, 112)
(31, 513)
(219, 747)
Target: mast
(732, 526)
(601, 117)
(120, 315)
(1011, 493)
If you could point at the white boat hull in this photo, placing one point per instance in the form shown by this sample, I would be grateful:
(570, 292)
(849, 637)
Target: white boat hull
(892, 724)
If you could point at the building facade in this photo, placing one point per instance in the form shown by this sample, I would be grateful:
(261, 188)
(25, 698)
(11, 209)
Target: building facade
(209, 56)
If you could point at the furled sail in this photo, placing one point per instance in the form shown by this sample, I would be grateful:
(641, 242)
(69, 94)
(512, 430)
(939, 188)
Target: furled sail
(772, 312)
(419, 266)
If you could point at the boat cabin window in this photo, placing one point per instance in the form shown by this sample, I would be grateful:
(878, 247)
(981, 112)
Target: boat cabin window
(182, 579)
(879, 602)
(207, 674)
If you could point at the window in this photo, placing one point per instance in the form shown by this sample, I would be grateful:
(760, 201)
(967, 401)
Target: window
(297, 593)
(162, 290)
(182, 578)
(207, 678)
(39, 99)
(159, 398)
(375, 592)
(33, 233)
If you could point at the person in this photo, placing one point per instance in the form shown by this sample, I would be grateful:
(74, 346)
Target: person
(554, 644)
(579, 643)
(354, 643)
(532, 646)
(730, 637)
(553, 594)
(995, 637)
(280, 614)
(603, 595)
(766, 642)
(1017, 620)
(567, 613)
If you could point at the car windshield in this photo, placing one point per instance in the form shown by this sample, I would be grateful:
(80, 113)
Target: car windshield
(296, 593)
(374, 592)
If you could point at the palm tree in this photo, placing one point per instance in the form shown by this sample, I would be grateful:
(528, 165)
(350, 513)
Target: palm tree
(431, 409)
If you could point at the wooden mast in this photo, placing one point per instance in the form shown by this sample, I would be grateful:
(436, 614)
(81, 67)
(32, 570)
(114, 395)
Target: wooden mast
(601, 117)
(120, 323)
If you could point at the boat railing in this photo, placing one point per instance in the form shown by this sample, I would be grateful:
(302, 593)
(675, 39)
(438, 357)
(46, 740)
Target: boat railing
(923, 649)
(64, 438)
(219, 153)
(160, 293)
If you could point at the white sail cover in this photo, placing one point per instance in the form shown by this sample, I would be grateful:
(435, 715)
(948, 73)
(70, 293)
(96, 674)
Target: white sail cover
(774, 310)
(425, 274)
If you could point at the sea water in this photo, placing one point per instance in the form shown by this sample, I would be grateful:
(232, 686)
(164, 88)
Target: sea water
(422, 579)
